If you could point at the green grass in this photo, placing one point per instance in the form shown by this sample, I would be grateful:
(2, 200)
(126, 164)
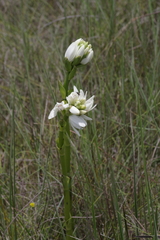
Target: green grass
(116, 161)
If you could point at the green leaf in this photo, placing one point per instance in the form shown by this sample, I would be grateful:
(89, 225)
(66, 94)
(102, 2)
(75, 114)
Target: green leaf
(68, 64)
(77, 61)
(62, 90)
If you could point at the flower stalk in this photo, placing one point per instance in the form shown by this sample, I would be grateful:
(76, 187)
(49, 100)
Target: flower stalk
(73, 109)
(64, 152)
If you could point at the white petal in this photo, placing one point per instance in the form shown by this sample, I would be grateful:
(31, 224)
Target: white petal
(80, 51)
(87, 118)
(75, 89)
(83, 112)
(53, 113)
(77, 121)
(89, 103)
(58, 107)
(65, 106)
(89, 106)
(81, 94)
(82, 124)
(74, 110)
(71, 51)
(73, 121)
(85, 61)
(78, 41)
(72, 98)
(88, 58)
(76, 131)
(90, 99)
(93, 107)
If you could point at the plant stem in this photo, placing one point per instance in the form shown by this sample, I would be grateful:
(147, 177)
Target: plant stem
(64, 150)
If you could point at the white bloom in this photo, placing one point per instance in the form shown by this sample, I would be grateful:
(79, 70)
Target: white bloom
(79, 48)
(78, 103)
(58, 107)
(77, 107)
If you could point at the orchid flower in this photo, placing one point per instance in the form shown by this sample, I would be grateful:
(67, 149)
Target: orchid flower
(79, 49)
(77, 106)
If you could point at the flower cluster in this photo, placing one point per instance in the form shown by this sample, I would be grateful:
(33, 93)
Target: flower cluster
(79, 52)
(77, 106)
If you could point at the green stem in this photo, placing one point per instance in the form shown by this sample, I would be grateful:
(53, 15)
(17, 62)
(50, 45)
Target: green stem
(64, 150)
(65, 158)
(69, 76)
(66, 83)
(67, 145)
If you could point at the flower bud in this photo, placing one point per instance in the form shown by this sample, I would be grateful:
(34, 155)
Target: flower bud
(79, 52)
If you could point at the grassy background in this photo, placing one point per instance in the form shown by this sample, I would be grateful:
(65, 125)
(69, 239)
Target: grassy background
(116, 161)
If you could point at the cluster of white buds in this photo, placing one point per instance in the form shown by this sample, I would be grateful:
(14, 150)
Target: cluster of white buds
(77, 106)
(79, 52)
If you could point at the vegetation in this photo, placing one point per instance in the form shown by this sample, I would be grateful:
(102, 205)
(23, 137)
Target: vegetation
(116, 161)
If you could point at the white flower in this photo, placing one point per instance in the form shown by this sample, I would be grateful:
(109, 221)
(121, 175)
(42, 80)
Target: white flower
(77, 106)
(58, 107)
(79, 48)
(78, 103)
